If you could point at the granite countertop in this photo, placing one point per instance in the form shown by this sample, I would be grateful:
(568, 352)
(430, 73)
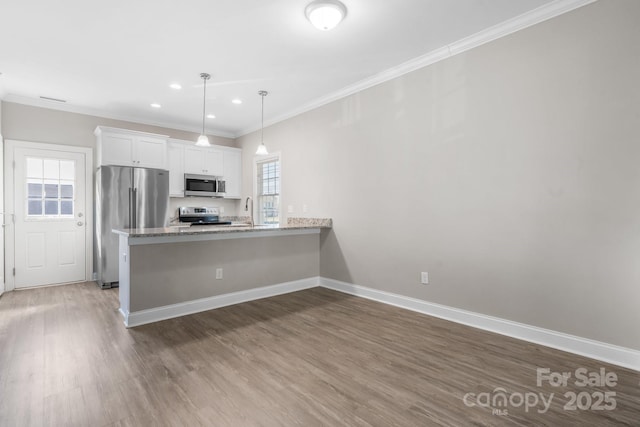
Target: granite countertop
(185, 230)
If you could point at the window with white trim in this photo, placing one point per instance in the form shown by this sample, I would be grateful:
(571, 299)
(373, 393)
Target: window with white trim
(50, 188)
(268, 190)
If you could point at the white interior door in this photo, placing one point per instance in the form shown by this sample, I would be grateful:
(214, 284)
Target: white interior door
(50, 222)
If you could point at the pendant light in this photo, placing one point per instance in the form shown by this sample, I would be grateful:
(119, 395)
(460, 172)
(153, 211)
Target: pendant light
(262, 149)
(203, 141)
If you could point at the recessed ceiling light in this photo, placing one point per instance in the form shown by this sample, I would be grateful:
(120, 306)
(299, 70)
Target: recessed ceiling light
(175, 86)
(211, 116)
(237, 101)
(156, 105)
(325, 14)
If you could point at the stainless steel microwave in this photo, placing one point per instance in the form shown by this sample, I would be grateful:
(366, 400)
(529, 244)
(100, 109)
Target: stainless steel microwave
(203, 186)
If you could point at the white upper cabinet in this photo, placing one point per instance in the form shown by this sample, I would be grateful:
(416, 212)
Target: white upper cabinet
(122, 147)
(116, 149)
(221, 161)
(203, 161)
(176, 169)
(150, 152)
(233, 172)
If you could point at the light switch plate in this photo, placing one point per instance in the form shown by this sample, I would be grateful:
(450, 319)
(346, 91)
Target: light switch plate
(424, 278)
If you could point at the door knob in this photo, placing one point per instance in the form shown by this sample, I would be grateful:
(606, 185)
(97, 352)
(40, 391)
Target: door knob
(79, 214)
(80, 223)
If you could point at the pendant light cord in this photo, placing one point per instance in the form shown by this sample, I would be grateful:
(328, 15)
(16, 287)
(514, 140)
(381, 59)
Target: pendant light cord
(262, 93)
(204, 100)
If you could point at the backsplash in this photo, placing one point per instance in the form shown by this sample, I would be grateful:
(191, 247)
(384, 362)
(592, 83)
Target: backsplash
(246, 219)
(319, 222)
(230, 206)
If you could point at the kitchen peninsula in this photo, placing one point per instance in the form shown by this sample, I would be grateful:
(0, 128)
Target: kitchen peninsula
(175, 271)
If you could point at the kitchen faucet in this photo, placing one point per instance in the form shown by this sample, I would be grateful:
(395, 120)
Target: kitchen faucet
(246, 208)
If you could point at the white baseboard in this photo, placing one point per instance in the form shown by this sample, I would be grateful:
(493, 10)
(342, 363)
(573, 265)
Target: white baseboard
(142, 317)
(609, 353)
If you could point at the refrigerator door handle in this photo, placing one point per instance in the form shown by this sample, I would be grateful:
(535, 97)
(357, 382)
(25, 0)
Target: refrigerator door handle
(134, 207)
(131, 208)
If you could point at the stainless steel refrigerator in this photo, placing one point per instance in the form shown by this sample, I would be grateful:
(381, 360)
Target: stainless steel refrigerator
(126, 197)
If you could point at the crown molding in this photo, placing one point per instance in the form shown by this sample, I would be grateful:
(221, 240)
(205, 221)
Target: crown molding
(70, 108)
(536, 16)
(520, 22)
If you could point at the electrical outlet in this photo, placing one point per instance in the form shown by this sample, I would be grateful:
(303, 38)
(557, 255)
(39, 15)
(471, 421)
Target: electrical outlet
(218, 273)
(290, 209)
(424, 278)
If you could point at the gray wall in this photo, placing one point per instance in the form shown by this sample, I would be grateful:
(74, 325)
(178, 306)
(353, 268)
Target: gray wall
(509, 173)
(35, 124)
(160, 271)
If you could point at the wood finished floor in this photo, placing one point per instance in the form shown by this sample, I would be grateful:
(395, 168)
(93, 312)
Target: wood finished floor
(310, 358)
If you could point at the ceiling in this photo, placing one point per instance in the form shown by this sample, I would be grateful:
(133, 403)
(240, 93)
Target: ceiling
(114, 58)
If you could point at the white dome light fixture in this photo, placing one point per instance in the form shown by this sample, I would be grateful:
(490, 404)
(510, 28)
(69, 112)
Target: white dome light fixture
(325, 14)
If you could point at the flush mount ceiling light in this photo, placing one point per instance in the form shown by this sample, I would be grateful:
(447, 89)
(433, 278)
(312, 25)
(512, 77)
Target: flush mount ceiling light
(156, 105)
(175, 86)
(211, 116)
(262, 149)
(237, 101)
(325, 14)
(203, 141)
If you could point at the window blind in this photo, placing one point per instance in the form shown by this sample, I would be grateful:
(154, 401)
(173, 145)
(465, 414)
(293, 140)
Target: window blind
(268, 194)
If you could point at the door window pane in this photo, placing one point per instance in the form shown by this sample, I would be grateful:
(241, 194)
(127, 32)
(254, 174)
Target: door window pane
(34, 207)
(66, 207)
(51, 207)
(34, 168)
(67, 170)
(66, 191)
(50, 187)
(34, 190)
(51, 191)
(51, 169)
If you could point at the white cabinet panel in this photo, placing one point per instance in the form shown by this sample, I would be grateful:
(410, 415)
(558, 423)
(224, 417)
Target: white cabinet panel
(233, 173)
(203, 161)
(117, 149)
(121, 147)
(193, 161)
(176, 170)
(150, 152)
(213, 162)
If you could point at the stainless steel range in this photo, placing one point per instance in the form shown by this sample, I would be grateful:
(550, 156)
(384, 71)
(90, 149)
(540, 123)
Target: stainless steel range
(200, 216)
